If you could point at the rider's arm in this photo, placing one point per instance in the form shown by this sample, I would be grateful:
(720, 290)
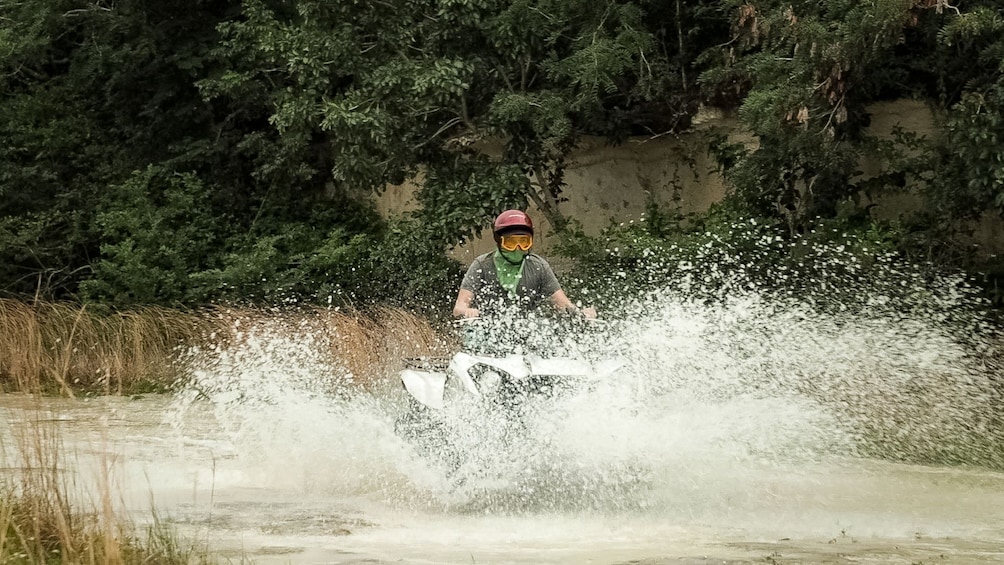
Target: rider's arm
(462, 308)
(561, 302)
(473, 283)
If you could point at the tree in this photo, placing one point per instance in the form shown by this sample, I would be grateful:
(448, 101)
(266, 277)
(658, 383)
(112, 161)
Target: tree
(89, 94)
(806, 72)
(392, 90)
(50, 162)
(969, 169)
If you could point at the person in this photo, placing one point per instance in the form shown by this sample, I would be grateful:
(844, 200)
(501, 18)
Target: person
(511, 277)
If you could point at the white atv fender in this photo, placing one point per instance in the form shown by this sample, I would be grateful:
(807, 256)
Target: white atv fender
(429, 387)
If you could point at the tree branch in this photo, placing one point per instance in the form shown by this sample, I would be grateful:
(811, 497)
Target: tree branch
(446, 126)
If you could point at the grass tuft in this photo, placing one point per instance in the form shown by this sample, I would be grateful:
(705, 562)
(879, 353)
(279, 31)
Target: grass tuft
(43, 522)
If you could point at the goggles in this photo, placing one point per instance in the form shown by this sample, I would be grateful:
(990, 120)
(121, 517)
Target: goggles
(516, 241)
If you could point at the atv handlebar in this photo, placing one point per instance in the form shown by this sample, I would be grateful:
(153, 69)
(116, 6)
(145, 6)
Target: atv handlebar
(462, 322)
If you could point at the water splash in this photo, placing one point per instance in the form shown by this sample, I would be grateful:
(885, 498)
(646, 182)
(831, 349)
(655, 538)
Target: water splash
(290, 413)
(717, 399)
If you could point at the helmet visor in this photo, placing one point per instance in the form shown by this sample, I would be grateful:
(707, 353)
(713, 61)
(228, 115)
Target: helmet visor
(515, 241)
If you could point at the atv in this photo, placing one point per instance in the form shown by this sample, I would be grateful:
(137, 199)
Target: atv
(503, 375)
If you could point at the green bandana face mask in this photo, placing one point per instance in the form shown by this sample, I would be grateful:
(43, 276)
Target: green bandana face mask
(514, 257)
(509, 272)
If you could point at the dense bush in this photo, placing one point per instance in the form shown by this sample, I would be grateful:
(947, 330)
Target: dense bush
(178, 153)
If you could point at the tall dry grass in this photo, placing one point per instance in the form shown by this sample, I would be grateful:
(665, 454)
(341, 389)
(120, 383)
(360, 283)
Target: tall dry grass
(373, 345)
(370, 344)
(67, 348)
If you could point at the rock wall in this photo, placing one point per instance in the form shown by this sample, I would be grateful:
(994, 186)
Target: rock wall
(612, 183)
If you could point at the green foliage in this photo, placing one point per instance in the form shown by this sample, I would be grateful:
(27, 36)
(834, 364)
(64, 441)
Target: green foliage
(50, 143)
(808, 69)
(337, 76)
(409, 271)
(182, 153)
(969, 171)
(156, 231)
(970, 177)
(975, 39)
(804, 74)
(463, 188)
(163, 244)
(88, 94)
(537, 74)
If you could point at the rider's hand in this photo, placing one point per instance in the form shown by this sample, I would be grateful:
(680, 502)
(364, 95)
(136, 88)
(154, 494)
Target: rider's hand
(472, 313)
(589, 312)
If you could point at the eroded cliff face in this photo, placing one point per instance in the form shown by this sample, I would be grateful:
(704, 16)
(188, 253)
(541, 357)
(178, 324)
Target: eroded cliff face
(909, 115)
(612, 183)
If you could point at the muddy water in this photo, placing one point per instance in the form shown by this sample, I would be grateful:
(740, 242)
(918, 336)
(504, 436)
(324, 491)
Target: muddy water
(746, 431)
(336, 487)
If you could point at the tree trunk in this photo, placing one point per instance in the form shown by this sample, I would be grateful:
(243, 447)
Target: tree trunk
(545, 192)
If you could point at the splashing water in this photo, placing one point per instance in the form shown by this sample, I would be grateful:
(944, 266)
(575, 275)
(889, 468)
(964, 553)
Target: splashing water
(291, 415)
(717, 400)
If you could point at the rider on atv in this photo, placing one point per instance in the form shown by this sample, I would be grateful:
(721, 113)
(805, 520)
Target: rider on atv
(511, 277)
(510, 357)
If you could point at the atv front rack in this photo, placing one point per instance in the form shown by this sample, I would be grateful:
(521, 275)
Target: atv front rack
(427, 363)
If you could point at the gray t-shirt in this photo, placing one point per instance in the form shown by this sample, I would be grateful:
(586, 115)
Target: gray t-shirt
(536, 284)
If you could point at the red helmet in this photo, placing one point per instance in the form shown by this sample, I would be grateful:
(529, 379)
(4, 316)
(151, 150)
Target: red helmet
(512, 219)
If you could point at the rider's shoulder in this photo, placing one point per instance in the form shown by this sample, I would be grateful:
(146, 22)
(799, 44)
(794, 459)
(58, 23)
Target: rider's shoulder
(484, 257)
(537, 259)
(482, 262)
